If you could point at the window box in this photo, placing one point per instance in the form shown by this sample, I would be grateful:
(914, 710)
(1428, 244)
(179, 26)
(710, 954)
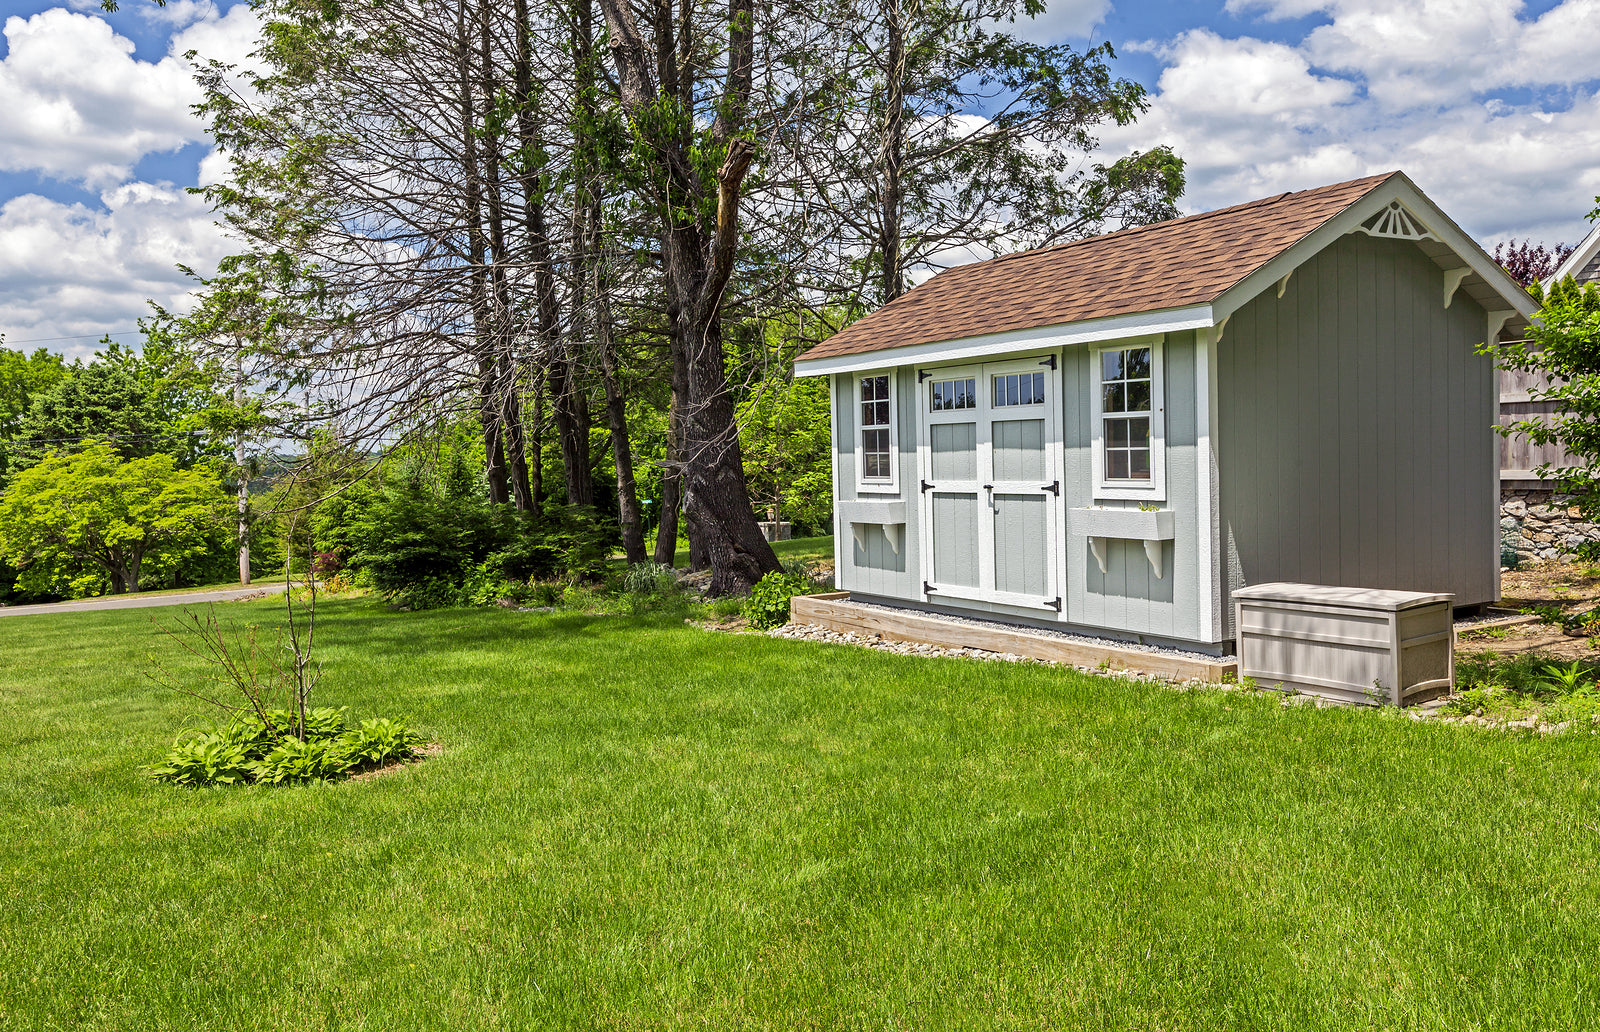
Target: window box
(891, 516)
(1151, 526)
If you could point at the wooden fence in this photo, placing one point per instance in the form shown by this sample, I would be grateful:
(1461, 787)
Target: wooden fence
(1519, 457)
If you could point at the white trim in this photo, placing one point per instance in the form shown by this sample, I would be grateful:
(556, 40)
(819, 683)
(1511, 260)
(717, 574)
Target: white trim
(1156, 489)
(1439, 225)
(1208, 523)
(984, 416)
(837, 447)
(1049, 338)
(1453, 278)
(891, 486)
(1577, 260)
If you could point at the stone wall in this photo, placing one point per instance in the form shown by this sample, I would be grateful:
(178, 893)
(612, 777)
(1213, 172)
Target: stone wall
(1540, 526)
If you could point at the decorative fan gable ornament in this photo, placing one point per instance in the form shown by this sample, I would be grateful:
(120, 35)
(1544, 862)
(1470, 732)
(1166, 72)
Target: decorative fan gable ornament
(1397, 223)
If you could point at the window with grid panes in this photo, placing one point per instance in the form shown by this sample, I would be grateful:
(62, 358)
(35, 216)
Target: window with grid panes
(876, 457)
(1125, 390)
(950, 395)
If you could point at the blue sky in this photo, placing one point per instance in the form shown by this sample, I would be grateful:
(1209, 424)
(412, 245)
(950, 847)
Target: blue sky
(1492, 106)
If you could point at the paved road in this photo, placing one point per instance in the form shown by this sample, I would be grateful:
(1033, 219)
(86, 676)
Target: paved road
(139, 601)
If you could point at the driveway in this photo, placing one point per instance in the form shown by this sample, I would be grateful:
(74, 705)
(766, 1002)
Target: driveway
(141, 601)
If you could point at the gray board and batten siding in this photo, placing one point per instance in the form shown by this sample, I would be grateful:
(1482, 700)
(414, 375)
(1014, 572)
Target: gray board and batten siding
(1354, 430)
(1128, 601)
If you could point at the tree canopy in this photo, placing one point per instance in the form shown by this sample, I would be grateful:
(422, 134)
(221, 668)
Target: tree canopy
(94, 508)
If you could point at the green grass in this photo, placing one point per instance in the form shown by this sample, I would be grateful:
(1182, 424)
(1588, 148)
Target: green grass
(806, 548)
(640, 825)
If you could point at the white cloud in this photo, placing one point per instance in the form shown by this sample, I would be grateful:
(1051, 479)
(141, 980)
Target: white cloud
(178, 13)
(1062, 19)
(1417, 53)
(72, 269)
(77, 106)
(1382, 87)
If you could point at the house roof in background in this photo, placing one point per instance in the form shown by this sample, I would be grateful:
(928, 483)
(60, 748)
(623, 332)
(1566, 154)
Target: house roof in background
(1579, 259)
(1187, 261)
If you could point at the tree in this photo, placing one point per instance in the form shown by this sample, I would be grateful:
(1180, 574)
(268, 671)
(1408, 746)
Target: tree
(1530, 263)
(1563, 346)
(932, 136)
(685, 91)
(23, 377)
(96, 508)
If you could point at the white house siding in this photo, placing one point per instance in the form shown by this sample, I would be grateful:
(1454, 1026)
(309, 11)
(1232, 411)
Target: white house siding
(1354, 430)
(1126, 601)
(876, 568)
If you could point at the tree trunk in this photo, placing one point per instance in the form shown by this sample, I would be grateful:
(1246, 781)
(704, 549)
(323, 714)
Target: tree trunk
(698, 260)
(477, 246)
(891, 158)
(622, 456)
(534, 450)
(671, 487)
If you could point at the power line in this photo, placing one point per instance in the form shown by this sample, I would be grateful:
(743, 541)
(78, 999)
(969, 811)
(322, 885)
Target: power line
(72, 336)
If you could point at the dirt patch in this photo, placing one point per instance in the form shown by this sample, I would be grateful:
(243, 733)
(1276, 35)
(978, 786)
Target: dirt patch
(1572, 587)
(427, 752)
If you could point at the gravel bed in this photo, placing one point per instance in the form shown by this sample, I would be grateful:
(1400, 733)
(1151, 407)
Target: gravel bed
(1083, 639)
(812, 632)
(1492, 618)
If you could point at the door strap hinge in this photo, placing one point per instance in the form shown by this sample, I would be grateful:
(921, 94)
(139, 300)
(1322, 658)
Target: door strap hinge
(1056, 605)
(923, 374)
(926, 487)
(1053, 487)
(1051, 362)
(927, 589)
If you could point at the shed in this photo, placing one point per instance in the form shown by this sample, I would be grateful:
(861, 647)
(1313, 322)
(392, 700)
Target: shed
(1109, 436)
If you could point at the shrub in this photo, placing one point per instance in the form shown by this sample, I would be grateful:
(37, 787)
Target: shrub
(650, 579)
(218, 758)
(265, 753)
(769, 599)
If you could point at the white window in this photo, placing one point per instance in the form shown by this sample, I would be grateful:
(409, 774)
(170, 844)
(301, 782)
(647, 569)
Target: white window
(1018, 389)
(876, 465)
(951, 395)
(1129, 448)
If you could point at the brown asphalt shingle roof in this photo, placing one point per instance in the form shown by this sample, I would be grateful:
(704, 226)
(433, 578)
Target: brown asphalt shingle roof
(1187, 261)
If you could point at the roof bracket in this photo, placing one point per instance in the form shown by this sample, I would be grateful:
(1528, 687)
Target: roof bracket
(1497, 322)
(1452, 282)
(1283, 284)
(1221, 326)
(1051, 362)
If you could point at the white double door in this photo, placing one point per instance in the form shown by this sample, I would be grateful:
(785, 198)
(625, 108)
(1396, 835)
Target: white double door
(990, 492)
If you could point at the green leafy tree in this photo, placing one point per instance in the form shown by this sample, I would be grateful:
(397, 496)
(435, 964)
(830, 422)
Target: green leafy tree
(23, 377)
(97, 509)
(1564, 347)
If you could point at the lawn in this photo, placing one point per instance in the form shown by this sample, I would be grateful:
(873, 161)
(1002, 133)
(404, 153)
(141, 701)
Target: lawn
(636, 824)
(801, 548)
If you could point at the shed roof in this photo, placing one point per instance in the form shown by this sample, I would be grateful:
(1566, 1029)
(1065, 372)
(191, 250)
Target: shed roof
(1186, 261)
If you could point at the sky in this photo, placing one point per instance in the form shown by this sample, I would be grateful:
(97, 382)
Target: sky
(1491, 106)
